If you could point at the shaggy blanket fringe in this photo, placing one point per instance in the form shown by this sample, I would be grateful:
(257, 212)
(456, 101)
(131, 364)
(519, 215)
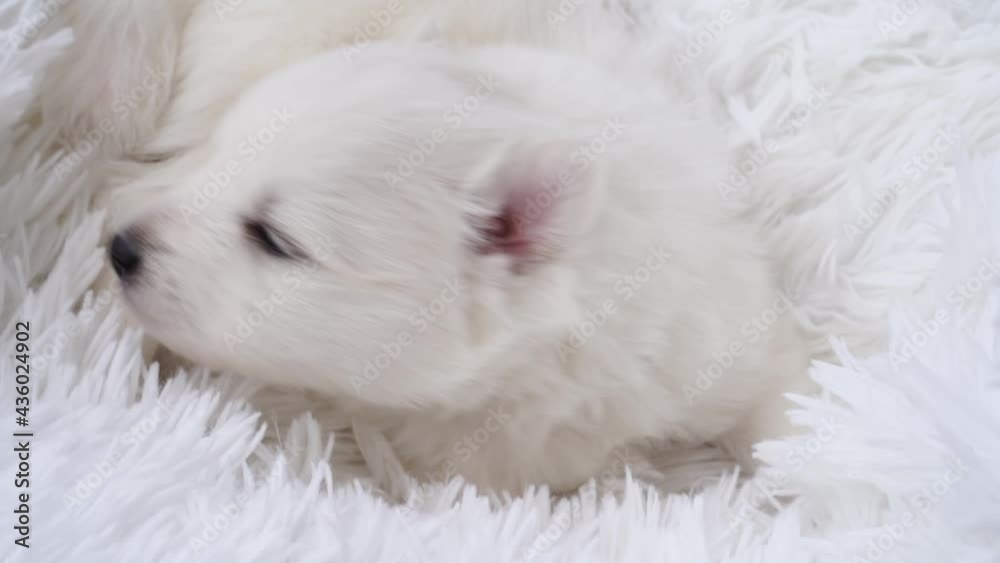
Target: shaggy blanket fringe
(887, 114)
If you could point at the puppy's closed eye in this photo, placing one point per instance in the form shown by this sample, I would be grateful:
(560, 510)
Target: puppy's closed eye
(272, 241)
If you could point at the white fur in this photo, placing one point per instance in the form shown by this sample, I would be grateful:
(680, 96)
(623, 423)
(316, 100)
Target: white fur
(379, 251)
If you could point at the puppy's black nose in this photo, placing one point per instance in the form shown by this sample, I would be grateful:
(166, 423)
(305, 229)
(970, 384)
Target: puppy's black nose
(124, 254)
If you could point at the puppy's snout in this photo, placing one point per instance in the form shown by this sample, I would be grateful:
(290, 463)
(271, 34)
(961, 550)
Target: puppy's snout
(125, 253)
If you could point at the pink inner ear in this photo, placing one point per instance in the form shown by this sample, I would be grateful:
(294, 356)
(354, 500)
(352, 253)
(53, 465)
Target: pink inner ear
(508, 234)
(520, 227)
(532, 189)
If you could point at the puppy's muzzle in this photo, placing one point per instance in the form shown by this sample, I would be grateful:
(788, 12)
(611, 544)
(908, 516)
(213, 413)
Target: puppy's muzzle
(125, 253)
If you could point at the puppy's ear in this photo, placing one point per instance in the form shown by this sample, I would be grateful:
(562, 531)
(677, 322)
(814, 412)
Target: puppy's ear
(538, 201)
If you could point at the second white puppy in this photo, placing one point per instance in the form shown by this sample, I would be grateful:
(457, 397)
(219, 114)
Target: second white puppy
(501, 245)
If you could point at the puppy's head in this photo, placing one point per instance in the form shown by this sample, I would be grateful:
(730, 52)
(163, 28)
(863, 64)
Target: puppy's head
(379, 228)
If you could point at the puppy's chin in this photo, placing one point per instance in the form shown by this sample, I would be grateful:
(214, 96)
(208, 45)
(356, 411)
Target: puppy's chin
(164, 319)
(145, 308)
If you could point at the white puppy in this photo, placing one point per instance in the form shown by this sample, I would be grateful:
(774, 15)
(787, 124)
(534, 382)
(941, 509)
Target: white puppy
(501, 244)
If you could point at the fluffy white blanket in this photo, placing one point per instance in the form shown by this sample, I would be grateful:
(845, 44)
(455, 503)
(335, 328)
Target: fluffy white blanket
(889, 115)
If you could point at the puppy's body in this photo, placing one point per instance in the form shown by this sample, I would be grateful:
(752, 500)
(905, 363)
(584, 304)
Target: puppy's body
(509, 290)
